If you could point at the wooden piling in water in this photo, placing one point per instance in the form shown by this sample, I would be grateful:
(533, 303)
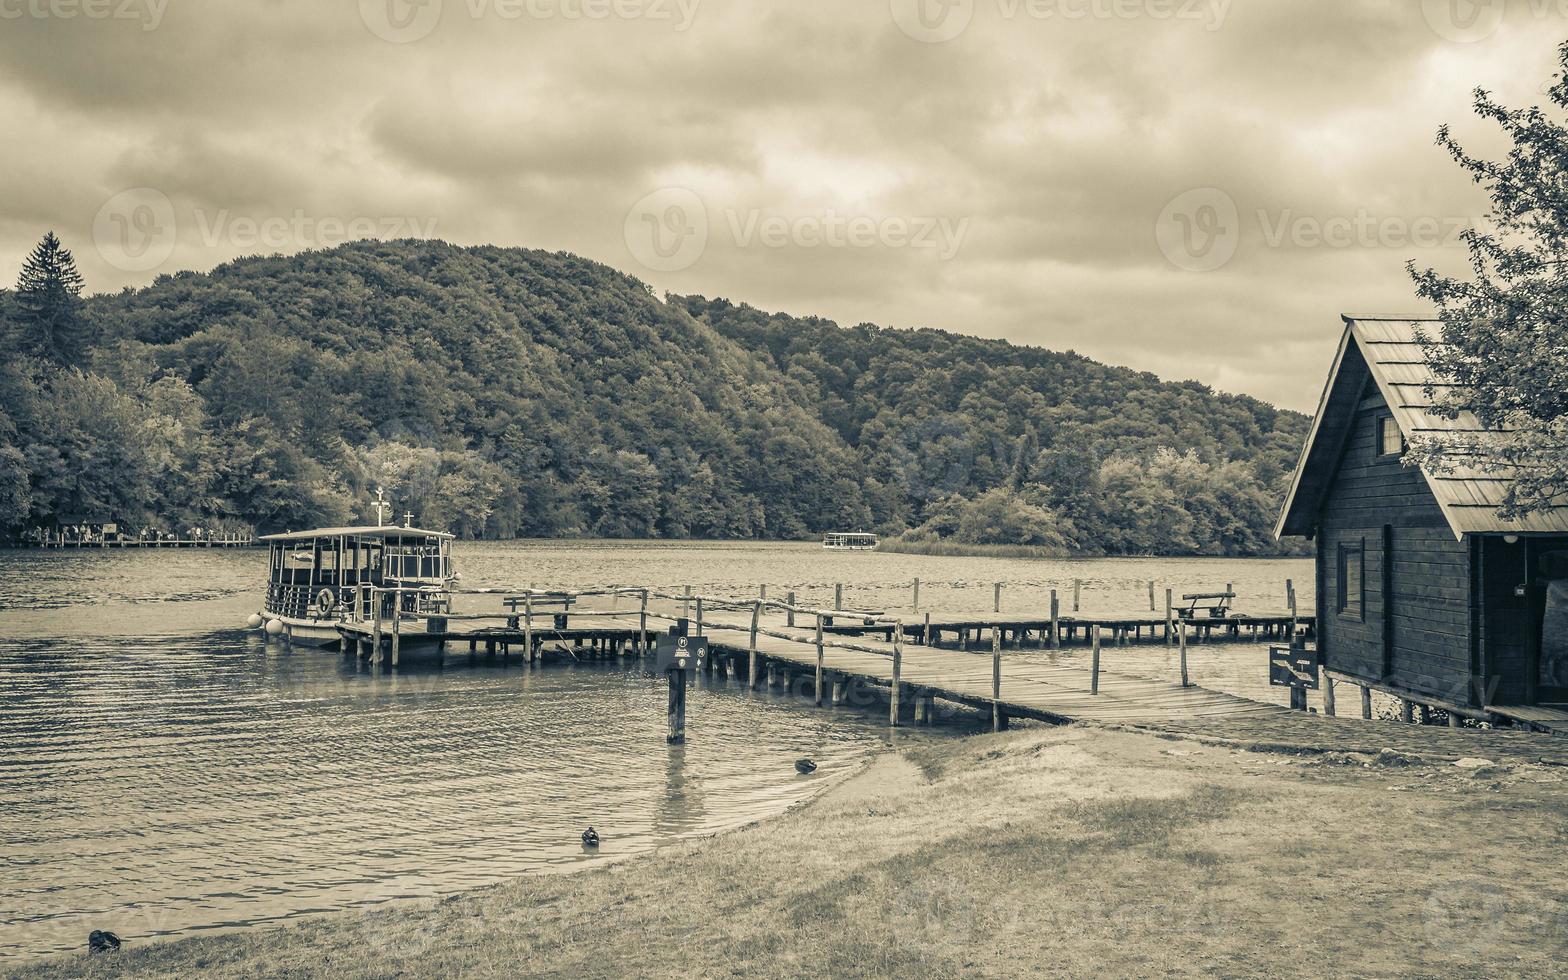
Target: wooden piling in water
(996, 597)
(1056, 622)
(916, 604)
(1181, 638)
(838, 595)
(818, 691)
(1077, 590)
(1094, 662)
(751, 659)
(789, 612)
(1170, 614)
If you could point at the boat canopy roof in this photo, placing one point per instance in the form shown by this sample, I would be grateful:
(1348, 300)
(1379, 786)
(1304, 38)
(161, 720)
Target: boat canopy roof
(363, 531)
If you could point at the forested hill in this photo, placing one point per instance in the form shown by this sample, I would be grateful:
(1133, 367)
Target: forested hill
(505, 392)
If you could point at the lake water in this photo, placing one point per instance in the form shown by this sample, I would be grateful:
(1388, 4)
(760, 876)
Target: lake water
(164, 771)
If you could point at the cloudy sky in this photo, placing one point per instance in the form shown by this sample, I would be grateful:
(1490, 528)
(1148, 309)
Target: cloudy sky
(1194, 187)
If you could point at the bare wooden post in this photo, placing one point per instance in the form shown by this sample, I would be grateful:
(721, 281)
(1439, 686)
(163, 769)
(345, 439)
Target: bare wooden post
(1328, 695)
(818, 690)
(1181, 638)
(1056, 622)
(1077, 588)
(397, 620)
(1094, 662)
(642, 628)
(1170, 628)
(686, 604)
(916, 606)
(1366, 701)
(375, 626)
(898, 663)
(996, 679)
(1151, 595)
(789, 613)
(925, 632)
(996, 597)
(838, 595)
(751, 663)
(699, 615)
(762, 592)
(1290, 597)
(528, 623)
(1406, 711)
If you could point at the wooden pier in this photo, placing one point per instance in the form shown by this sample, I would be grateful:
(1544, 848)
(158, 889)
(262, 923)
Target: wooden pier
(757, 640)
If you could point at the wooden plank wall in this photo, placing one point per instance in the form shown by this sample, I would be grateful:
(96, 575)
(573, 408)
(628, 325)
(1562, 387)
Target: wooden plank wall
(1417, 560)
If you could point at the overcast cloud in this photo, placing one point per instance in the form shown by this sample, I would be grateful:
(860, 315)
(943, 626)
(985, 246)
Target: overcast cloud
(1194, 187)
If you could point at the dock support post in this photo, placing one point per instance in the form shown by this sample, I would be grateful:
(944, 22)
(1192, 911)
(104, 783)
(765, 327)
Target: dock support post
(1151, 595)
(642, 628)
(996, 597)
(997, 721)
(789, 613)
(751, 660)
(1094, 662)
(375, 626)
(1056, 622)
(528, 623)
(1328, 695)
(1181, 639)
(818, 685)
(397, 620)
(916, 605)
(838, 595)
(1366, 702)
(1170, 628)
(898, 665)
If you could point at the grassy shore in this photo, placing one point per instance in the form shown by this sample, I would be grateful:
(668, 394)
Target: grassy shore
(953, 549)
(1063, 852)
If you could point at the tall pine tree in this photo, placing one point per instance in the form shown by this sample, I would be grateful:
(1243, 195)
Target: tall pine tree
(48, 304)
(1503, 344)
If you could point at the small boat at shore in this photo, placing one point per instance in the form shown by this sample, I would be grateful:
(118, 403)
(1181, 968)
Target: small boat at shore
(323, 577)
(849, 541)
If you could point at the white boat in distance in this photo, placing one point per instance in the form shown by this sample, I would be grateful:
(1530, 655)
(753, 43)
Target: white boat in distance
(849, 541)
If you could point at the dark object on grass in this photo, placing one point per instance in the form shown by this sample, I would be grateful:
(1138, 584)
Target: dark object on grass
(590, 838)
(805, 767)
(99, 941)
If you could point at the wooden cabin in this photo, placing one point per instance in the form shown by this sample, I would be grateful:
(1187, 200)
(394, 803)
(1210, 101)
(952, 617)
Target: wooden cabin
(1423, 591)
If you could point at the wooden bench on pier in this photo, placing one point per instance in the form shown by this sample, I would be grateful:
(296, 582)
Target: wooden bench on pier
(1213, 609)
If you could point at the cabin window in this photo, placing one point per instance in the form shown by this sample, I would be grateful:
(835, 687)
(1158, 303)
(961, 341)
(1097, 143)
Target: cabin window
(1390, 441)
(1352, 580)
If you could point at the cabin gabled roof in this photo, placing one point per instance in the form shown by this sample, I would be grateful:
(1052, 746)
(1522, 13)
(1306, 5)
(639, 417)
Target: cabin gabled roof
(1386, 353)
(363, 531)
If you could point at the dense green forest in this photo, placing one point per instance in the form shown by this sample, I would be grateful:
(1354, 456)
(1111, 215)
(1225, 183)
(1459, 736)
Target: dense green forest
(507, 392)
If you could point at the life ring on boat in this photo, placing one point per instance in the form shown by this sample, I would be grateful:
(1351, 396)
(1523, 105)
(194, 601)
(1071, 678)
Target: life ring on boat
(326, 599)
